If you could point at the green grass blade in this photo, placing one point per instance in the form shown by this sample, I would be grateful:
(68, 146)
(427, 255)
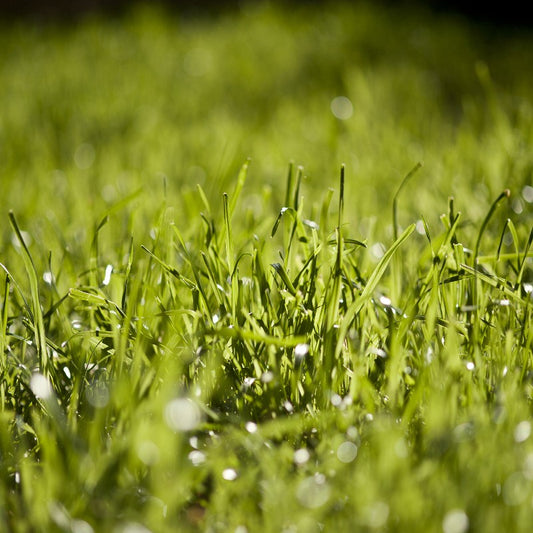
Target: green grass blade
(369, 289)
(40, 336)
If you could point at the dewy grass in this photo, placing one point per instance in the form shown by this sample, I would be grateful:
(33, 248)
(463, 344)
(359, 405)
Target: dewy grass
(192, 341)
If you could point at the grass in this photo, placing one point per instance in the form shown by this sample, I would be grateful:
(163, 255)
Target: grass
(194, 341)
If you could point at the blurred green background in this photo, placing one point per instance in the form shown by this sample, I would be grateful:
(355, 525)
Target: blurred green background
(98, 107)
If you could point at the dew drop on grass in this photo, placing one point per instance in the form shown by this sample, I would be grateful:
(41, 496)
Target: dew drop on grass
(288, 406)
(336, 400)
(182, 414)
(455, 521)
(197, 458)
(377, 515)
(133, 527)
(347, 452)
(97, 394)
(300, 351)
(80, 526)
(377, 251)
(470, 365)
(517, 206)
(48, 278)
(527, 194)
(301, 456)
(515, 489)
(41, 387)
(352, 433)
(107, 276)
(229, 474)
(267, 377)
(25, 235)
(385, 301)
(313, 492)
(342, 107)
(522, 431)
(248, 382)
(420, 229)
(251, 427)
(148, 452)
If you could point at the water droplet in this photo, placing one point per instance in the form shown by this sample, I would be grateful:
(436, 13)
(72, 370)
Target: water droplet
(251, 427)
(527, 193)
(385, 301)
(313, 492)
(288, 406)
(248, 382)
(301, 456)
(515, 489)
(133, 527)
(352, 433)
(197, 458)
(215, 318)
(229, 474)
(107, 277)
(67, 373)
(517, 205)
(342, 107)
(300, 351)
(377, 251)
(25, 235)
(470, 365)
(311, 224)
(455, 521)
(522, 431)
(336, 400)
(267, 376)
(80, 526)
(41, 386)
(347, 452)
(48, 278)
(97, 394)
(377, 515)
(148, 452)
(420, 228)
(182, 414)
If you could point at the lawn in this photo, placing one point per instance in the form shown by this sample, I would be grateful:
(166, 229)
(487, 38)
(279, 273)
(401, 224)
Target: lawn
(266, 270)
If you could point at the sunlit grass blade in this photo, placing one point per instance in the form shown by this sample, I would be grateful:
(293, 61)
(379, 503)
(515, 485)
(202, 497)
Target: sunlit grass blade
(369, 289)
(37, 314)
(404, 182)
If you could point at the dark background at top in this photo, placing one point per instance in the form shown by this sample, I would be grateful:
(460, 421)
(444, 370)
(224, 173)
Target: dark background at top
(510, 13)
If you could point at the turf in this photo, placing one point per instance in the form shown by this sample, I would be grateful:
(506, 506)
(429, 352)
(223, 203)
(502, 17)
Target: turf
(198, 335)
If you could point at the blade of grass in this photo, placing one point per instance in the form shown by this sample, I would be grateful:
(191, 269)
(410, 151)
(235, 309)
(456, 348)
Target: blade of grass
(370, 286)
(409, 175)
(40, 337)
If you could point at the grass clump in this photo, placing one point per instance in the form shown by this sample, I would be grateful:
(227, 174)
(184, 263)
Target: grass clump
(290, 355)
